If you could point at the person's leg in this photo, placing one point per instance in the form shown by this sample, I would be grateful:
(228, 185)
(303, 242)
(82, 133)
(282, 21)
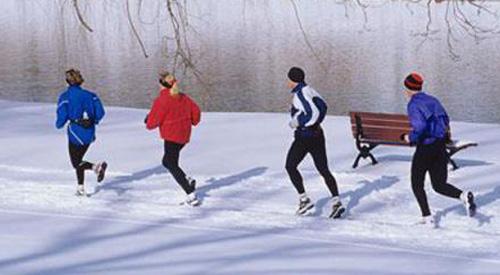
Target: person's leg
(295, 155)
(418, 171)
(76, 154)
(171, 162)
(438, 171)
(318, 152)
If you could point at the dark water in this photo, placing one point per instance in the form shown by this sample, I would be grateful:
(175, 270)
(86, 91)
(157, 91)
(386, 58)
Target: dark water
(243, 50)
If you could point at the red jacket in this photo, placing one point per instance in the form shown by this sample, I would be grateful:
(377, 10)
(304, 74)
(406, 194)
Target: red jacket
(174, 115)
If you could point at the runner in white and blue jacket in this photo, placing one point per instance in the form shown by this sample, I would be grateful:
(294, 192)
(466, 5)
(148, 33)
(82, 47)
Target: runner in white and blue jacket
(83, 110)
(307, 112)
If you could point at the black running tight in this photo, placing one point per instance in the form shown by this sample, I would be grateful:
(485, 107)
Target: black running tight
(314, 145)
(171, 162)
(431, 158)
(76, 153)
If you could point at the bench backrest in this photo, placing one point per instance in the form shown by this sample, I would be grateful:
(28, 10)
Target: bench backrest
(379, 127)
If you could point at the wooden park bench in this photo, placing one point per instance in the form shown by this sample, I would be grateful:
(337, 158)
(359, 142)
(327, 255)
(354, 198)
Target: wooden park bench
(373, 129)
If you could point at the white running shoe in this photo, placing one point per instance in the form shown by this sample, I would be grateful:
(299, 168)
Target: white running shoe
(80, 191)
(192, 200)
(428, 221)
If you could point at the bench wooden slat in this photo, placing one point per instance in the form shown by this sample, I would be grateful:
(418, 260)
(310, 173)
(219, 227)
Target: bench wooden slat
(383, 134)
(390, 133)
(385, 142)
(388, 123)
(379, 116)
(379, 121)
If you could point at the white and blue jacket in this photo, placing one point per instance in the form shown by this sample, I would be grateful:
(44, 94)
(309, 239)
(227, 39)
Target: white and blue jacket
(75, 104)
(308, 108)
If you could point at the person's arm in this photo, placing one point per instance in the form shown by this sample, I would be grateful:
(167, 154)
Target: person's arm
(98, 109)
(62, 112)
(155, 116)
(195, 113)
(305, 114)
(294, 122)
(418, 123)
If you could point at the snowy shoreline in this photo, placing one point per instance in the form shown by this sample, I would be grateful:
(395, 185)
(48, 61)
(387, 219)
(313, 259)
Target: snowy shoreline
(238, 160)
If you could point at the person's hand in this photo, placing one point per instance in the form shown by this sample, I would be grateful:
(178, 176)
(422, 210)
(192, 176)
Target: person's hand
(293, 124)
(405, 138)
(86, 123)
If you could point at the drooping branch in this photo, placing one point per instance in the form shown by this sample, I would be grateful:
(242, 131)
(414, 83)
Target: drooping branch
(306, 38)
(182, 54)
(80, 17)
(134, 30)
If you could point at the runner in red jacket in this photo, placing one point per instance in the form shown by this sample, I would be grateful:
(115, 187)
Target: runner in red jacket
(175, 113)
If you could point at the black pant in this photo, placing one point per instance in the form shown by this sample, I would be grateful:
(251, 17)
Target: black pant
(76, 153)
(431, 158)
(315, 145)
(171, 162)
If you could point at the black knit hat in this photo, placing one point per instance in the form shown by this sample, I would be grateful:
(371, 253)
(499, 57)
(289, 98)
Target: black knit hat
(296, 74)
(414, 82)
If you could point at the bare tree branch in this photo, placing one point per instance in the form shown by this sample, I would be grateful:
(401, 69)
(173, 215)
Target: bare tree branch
(304, 34)
(80, 17)
(134, 30)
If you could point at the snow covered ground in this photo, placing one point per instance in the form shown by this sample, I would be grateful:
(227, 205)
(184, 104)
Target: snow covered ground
(133, 223)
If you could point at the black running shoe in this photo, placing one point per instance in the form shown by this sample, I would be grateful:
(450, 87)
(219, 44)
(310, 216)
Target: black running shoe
(101, 171)
(470, 205)
(304, 206)
(191, 182)
(337, 210)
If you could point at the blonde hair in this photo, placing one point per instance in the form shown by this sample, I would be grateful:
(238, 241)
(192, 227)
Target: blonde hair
(167, 76)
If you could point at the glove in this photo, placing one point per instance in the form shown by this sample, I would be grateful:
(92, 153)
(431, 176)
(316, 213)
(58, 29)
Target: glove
(86, 123)
(146, 119)
(293, 124)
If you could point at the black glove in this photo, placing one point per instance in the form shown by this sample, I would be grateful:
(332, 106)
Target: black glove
(146, 119)
(86, 123)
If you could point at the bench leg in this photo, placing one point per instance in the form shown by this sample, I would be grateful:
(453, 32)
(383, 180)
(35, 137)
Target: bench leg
(374, 161)
(364, 152)
(356, 162)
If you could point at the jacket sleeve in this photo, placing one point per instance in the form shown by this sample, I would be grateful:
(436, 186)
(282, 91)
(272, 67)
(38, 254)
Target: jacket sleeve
(62, 112)
(418, 123)
(304, 116)
(195, 113)
(156, 115)
(98, 109)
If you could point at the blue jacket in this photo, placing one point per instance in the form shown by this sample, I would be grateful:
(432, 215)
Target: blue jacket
(76, 103)
(308, 108)
(428, 118)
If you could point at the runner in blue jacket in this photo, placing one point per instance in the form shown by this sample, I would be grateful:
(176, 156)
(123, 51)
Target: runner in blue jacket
(430, 130)
(83, 110)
